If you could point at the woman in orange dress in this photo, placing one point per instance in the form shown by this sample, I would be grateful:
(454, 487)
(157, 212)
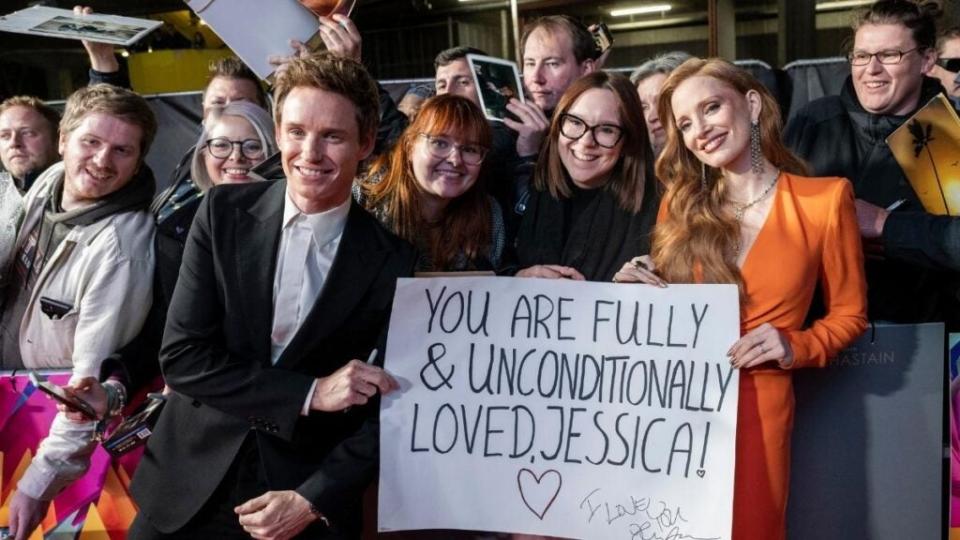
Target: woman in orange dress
(738, 210)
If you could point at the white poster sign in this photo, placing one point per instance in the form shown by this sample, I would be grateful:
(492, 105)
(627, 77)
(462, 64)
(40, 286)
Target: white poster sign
(555, 407)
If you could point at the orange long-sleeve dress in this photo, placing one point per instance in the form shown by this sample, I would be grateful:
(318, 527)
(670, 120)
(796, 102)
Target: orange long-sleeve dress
(809, 236)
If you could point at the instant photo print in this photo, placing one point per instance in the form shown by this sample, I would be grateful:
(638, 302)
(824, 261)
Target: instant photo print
(497, 80)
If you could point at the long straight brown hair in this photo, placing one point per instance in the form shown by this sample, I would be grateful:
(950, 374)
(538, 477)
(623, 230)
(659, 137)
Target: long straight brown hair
(696, 240)
(629, 176)
(464, 226)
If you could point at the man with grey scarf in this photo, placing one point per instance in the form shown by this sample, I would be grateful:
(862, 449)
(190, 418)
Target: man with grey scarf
(79, 283)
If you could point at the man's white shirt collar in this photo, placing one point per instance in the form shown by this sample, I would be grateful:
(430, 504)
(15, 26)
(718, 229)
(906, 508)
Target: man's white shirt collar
(326, 225)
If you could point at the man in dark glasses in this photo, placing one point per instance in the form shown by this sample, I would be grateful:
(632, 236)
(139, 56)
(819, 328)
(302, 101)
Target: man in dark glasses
(947, 68)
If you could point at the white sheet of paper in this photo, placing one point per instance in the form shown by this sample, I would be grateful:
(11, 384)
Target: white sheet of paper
(255, 29)
(528, 406)
(62, 23)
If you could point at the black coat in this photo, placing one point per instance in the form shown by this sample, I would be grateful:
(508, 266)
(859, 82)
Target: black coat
(916, 279)
(589, 231)
(216, 358)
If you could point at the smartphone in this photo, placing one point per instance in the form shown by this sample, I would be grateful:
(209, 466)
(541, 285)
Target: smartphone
(57, 393)
(54, 309)
(602, 38)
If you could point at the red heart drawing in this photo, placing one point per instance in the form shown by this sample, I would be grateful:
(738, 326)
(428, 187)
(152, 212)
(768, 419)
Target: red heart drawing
(540, 489)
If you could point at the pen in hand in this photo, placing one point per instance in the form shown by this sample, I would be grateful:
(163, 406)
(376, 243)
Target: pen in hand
(370, 359)
(896, 204)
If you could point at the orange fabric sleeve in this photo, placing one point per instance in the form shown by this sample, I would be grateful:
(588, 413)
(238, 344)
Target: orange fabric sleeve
(662, 212)
(843, 283)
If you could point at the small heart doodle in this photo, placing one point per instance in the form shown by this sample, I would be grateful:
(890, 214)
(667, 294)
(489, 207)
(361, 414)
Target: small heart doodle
(701, 473)
(539, 492)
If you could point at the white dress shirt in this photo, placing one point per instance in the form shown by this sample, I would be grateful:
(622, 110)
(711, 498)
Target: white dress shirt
(308, 246)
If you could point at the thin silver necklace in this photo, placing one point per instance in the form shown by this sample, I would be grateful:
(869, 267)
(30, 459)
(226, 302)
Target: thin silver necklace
(740, 209)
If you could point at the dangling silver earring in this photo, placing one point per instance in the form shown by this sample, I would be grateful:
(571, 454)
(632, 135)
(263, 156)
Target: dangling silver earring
(756, 153)
(703, 176)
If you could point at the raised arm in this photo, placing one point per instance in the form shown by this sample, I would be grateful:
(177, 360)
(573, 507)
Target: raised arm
(104, 67)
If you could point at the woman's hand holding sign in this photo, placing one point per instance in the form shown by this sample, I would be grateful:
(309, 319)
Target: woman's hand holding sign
(762, 344)
(639, 270)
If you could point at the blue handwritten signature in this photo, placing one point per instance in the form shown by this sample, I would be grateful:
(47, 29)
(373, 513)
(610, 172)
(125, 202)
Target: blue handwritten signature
(646, 519)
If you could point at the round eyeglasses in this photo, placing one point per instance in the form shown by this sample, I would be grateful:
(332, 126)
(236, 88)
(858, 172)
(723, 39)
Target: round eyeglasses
(443, 147)
(222, 147)
(605, 135)
(886, 57)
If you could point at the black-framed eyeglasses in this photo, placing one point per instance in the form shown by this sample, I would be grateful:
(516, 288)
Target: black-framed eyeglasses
(886, 56)
(222, 147)
(605, 135)
(949, 64)
(442, 147)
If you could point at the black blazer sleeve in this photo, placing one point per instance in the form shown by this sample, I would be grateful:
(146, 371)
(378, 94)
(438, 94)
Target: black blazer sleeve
(116, 78)
(392, 123)
(349, 468)
(923, 239)
(351, 465)
(136, 364)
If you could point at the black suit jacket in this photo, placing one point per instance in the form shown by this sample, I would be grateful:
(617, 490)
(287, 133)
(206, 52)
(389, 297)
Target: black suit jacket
(216, 358)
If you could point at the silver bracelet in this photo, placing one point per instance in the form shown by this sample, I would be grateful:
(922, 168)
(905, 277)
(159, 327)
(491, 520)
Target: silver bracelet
(116, 397)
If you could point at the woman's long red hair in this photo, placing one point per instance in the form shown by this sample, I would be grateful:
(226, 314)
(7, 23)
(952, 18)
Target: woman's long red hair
(696, 240)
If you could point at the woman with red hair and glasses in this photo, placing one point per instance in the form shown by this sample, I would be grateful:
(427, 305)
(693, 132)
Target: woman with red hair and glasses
(428, 189)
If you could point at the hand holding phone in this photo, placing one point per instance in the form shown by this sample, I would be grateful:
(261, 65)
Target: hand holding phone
(602, 38)
(59, 394)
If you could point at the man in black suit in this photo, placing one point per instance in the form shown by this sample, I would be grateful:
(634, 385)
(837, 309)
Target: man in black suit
(270, 430)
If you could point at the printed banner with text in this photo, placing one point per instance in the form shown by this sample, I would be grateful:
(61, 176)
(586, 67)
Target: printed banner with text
(555, 407)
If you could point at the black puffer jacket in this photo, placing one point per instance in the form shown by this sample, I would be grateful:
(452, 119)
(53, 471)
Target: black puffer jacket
(916, 280)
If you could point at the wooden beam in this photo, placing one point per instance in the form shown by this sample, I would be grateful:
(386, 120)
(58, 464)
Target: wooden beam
(722, 22)
(515, 24)
(796, 24)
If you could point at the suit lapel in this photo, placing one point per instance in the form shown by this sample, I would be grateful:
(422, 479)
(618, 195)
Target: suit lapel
(357, 264)
(257, 239)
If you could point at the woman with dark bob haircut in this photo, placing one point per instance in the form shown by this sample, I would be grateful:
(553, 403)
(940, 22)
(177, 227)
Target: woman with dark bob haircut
(739, 210)
(593, 196)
